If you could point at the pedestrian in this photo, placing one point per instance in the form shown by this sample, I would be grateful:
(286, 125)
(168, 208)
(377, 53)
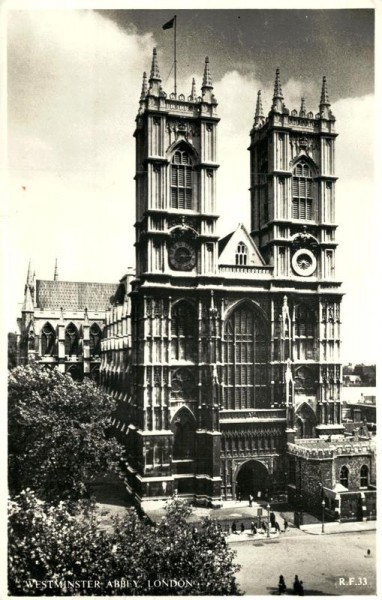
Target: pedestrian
(250, 499)
(272, 518)
(301, 589)
(242, 528)
(296, 585)
(285, 524)
(234, 527)
(263, 526)
(253, 527)
(282, 585)
(277, 526)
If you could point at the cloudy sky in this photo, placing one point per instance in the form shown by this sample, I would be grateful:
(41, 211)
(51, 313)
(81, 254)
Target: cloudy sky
(74, 80)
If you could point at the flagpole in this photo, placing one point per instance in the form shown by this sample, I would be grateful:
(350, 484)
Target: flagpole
(175, 54)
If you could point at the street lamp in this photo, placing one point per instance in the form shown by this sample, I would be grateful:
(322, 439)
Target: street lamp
(268, 509)
(323, 516)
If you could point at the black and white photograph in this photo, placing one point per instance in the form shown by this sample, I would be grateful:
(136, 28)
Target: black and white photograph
(190, 259)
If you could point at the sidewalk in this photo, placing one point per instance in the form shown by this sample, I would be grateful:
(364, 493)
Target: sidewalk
(351, 527)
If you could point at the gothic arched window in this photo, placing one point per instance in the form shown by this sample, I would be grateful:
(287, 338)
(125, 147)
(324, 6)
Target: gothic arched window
(95, 340)
(344, 476)
(184, 331)
(71, 340)
(244, 373)
(241, 254)
(48, 339)
(364, 479)
(302, 192)
(181, 180)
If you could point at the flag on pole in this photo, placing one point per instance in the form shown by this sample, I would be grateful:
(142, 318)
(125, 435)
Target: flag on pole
(169, 24)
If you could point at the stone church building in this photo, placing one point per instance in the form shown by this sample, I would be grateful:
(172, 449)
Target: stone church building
(224, 354)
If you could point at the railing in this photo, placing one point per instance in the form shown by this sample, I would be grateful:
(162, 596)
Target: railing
(245, 269)
(277, 413)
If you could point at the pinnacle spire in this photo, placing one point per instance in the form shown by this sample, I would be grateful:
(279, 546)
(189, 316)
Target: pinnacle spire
(207, 80)
(193, 89)
(259, 114)
(29, 280)
(278, 93)
(154, 73)
(144, 86)
(324, 94)
(28, 291)
(302, 108)
(55, 271)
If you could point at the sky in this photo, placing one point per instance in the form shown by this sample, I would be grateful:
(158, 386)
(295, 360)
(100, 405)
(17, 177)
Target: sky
(74, 81)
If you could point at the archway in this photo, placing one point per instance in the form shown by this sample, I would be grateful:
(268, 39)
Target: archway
(252, 478)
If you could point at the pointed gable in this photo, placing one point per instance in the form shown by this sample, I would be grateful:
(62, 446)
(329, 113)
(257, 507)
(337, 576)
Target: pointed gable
(238, 248)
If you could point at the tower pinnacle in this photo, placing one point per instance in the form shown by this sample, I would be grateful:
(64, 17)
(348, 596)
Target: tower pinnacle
(193, 90)
(325, 111)
(154, 73)
(302, 108)
(277, 105)
(28, 305)
(144, 86)
(207, 80)
(259, 114)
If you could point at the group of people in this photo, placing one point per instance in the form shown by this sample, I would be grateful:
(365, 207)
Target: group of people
(298, 587)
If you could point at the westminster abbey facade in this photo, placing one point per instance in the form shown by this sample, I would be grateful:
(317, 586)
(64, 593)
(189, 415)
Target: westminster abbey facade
(222, 352)
(223, 355)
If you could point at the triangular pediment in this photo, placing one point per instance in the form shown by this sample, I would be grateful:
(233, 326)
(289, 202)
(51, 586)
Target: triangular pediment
(238, 248)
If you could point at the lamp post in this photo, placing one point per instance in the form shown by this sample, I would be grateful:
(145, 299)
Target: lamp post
(323, 516)
(268, 509)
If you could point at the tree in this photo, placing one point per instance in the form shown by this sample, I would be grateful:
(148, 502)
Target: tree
(58, 438)
(48, 544)
(12, 350)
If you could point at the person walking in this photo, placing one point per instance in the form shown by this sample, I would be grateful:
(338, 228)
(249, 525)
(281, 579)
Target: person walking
(253, 527)
(234, 527)
(277, 526)
(250, 499)
(301, 589)
(272, 518)
(242, 528)
(296, 585)
(285, 524)
(282, 585)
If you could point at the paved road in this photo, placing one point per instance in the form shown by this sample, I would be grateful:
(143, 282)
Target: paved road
(326, 564)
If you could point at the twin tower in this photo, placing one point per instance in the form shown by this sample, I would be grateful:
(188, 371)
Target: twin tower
(226, 349)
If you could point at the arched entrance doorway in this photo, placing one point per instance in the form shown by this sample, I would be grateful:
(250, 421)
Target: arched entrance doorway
(252, 478)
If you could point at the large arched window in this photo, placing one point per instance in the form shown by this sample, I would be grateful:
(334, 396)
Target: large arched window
(71, 340)
(302, 192)
(245, 358)
(184, 331)
(48, 338)
(95, 340)
(344, 476)
(241, 254)
(364, 479)
(181, 180)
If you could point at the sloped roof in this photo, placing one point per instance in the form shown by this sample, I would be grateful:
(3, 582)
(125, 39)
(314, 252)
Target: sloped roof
(228, 245)
(74, 295)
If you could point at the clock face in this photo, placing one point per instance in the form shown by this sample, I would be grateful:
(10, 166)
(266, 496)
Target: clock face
(304, 262)
(182, 256)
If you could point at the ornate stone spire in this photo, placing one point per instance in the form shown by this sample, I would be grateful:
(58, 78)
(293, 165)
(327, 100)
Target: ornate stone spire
(55, 271)
(144, 86)
(28, 305)
(278, 97)
(259, 114)
(302, 108)
(207, 80)
(154, 73)
(155, 79)
(324, 94)
(325, 111)
(193, 90)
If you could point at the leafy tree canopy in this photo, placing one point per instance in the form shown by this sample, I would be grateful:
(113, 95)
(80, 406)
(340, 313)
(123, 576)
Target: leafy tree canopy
(57, 433)
(48, 544)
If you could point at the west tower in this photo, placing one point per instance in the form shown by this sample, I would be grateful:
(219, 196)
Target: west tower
(292, 158)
